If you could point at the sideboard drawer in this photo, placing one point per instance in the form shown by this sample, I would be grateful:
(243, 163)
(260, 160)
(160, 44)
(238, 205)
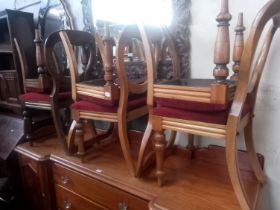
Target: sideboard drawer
(97, 191)
(67, 200)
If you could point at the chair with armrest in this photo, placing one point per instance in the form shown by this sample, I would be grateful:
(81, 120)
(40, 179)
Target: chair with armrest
(102, 99)
(217, 108)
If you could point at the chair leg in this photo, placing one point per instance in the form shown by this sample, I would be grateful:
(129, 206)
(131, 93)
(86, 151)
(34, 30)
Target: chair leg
(27, 127)
(248, 135)
(171, 140)
(169, 148)
(159, 149)
(233, 169)
(143, 147)
(92, 128)
(59, 127)
(79, 136)
(71, 137)
(190, 146)
(122, 129)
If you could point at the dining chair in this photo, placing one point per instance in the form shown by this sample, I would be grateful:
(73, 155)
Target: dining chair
(39, 91)
(215, 108)
(114, 98)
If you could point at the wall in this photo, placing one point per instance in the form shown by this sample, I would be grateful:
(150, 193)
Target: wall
(266, 124)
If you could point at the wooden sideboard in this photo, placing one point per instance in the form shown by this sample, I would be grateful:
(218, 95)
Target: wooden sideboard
(104, 182)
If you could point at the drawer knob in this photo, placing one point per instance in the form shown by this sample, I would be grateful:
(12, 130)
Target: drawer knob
(122, 206)
(67, 205)
(64, 179)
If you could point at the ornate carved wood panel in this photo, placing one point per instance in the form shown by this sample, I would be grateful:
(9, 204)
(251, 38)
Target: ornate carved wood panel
(181, 33)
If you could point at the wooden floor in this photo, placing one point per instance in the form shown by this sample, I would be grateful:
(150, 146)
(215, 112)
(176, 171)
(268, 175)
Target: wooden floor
(199, 184)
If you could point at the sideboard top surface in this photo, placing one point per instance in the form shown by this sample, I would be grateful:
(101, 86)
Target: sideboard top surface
(200, 183)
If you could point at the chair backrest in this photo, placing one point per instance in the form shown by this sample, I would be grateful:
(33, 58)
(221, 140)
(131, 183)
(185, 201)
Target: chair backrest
(23, 64)
(157, 44)
(56, 63)
(247, 84)
(128, 36)
(70, 40)
(32, 81)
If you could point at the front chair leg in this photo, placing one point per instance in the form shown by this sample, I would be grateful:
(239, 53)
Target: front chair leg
(124, 141)
(79, 136)
(159, 149)
(71, 137)
(190, 146)
(248, 135)
(27, 127)
(233, 169)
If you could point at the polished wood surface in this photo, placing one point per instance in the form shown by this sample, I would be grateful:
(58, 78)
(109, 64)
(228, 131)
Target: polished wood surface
(67, 199)
(95, 190)
(199, 183)
(36, 181)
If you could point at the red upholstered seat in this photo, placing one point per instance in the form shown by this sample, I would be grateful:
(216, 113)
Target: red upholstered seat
(190, 105)
(97, 101)
(42, 97)
(132, 104)
(215, 117)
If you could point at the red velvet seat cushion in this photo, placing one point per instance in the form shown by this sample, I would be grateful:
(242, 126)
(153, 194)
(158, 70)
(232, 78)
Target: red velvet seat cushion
(217, 117)
(42, 97)
(95, 107)
(98, 101)
(190, 105)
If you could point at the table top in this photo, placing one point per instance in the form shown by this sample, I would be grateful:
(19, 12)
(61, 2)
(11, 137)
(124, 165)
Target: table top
(199, 183)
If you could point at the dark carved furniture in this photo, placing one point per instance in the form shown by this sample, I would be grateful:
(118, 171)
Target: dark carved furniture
(12, 24)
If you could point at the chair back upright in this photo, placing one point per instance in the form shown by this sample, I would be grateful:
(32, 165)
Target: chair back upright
(71, 40)
(250, 71)
(158, 46)
(128, 86)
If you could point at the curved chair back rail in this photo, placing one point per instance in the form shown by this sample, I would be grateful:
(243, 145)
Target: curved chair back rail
(268, 12)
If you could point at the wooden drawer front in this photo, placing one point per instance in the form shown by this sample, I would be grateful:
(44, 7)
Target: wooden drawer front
(67, 200)
(95, 190)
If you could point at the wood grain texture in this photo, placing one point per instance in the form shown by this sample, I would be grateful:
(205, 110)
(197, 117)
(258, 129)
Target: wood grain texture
(199, 183)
